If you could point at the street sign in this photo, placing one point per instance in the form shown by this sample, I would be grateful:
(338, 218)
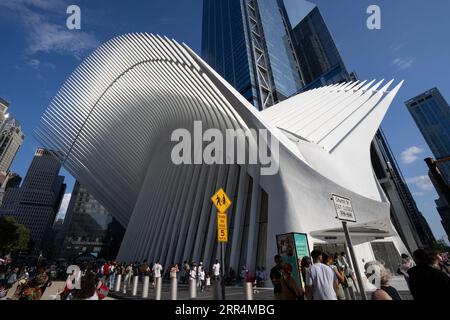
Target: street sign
(221, 200)
(344, 209)
(222, 203)
(222, 235)
(221, 221)
(222, 227)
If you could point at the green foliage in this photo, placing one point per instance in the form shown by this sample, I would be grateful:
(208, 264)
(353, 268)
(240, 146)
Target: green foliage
(13, 236)
(440, 245)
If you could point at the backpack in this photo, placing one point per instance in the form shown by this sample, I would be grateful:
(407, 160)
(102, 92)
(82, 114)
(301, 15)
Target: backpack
(103, 291)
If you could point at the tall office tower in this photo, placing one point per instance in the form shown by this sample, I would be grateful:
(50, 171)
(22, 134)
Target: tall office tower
(37, 201)
(431, 112)
(3, 108)
(432, 115)
(319, 60)
(8, 180)
(88, 228)
(11, 138)
(272, 49)
(406, 217)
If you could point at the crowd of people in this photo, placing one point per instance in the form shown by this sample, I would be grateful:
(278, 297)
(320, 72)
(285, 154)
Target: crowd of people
(322, 277)
(330, 277)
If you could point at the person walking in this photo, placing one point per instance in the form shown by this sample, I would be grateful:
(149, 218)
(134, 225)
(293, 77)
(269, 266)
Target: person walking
(174, 270)
(385, 291)
(105, 271)
(157, 269)
(112, 275)
(216, 270)
(305, 264)
(186, 269)
(337, 269)
(406, 264)
(425, 281)
(193, 272)
(128, 275)
(201, 277)
(275, 276)
(12, 278)
(321, 280)
(289, 288)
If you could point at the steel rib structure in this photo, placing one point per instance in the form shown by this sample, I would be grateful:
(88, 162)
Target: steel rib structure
(111, 124)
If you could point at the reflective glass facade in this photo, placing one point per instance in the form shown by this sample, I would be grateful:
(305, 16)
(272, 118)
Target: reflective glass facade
(296, 44)
(283, 65)
(224, 44)
(89, 228)
(432, 115)
(318, 56)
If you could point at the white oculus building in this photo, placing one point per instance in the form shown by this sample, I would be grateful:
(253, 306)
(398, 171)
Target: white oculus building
(112, 122)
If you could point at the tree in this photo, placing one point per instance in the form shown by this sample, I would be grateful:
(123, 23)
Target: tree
(440, 245)
(13, 236)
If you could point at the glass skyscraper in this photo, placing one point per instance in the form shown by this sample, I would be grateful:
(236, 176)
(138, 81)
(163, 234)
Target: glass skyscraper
(270, 50)
(432, 115)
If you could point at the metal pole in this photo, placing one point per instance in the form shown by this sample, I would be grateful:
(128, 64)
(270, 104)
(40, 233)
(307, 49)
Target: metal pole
(222, 278)
(145, 288)
(216, 289)
(354, 287)
(354, 261)
(118, 283)
(173, 288)
(135, 285)
(158, 288)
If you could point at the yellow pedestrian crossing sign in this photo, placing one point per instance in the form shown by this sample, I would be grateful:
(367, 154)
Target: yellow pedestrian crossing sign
(221, 200)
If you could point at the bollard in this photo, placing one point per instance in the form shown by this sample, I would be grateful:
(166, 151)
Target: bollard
(118, 283)
(135, 285)
(173, 288)
(125, 283)
(145, 288)
(158, 287)
(248, 290)
(216, 289)
(192, 289)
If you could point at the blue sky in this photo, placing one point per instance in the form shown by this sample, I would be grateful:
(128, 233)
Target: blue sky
(38, 53)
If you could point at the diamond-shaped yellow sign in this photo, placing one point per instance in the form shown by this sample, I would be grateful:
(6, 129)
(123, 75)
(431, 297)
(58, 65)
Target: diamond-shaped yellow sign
(221, 200)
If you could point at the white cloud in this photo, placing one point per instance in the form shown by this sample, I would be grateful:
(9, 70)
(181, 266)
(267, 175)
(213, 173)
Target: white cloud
(403, 63)
(44, 36)
(64, 204)
(422, 183)
(34, 63)
(410, 155)
(418, 194)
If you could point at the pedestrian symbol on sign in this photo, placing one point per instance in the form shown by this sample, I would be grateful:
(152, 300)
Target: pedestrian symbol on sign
(221, 200)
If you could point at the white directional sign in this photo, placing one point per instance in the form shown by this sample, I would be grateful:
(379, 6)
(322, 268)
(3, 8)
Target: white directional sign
(344, 208)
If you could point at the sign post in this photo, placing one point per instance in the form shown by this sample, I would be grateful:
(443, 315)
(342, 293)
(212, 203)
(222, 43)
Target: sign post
(222, 202)
(344, 211)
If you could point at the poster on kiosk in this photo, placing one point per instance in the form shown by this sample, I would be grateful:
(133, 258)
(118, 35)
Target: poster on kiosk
(292, 247)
